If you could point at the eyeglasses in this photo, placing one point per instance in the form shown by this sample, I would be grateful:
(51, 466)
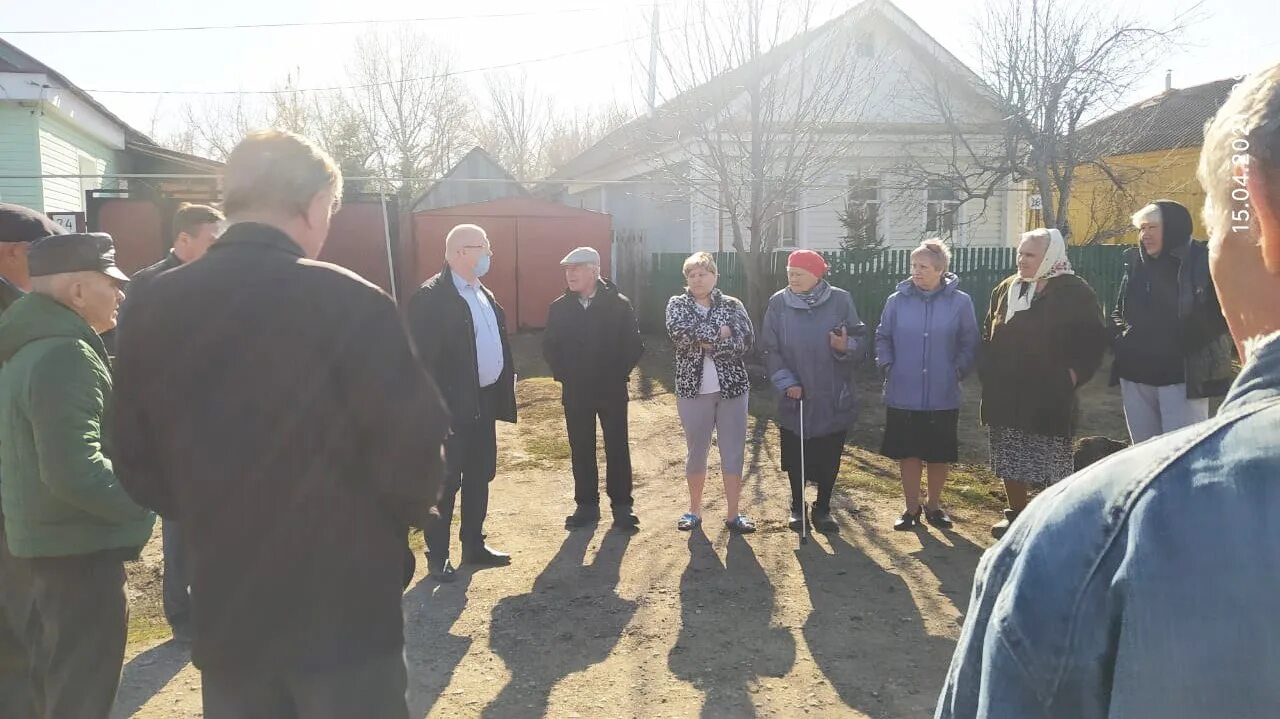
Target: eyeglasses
(486, 248)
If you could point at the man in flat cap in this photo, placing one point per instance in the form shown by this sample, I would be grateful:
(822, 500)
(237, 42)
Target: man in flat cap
(69, 524)
(19, 227)
(592, 342)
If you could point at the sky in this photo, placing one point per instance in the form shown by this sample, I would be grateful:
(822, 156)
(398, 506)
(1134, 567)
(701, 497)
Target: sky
(580, 53)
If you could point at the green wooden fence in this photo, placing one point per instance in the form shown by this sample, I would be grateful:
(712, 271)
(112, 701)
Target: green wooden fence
(871, 278)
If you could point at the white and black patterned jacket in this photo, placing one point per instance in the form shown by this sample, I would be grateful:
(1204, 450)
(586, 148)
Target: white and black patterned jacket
(688, 329)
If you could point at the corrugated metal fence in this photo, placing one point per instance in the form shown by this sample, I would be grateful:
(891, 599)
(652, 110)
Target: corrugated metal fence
(871, 278)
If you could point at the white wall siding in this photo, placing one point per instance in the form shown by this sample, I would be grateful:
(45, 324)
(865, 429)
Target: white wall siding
(67, 151)
(19, 155)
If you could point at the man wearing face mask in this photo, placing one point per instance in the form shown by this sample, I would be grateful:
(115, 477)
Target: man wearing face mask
(460, 331)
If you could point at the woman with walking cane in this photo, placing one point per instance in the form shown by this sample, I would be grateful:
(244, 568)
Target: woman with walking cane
(811, 339)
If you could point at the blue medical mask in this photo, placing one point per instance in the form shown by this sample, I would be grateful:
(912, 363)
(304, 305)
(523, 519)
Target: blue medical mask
(482, 266)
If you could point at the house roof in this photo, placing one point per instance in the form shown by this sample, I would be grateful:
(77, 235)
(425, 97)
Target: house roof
(488, 159)
(1173, 119)
(726, 86)
(12, 59)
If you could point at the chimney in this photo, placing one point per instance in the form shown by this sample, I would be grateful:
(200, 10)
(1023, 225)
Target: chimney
(1168, 80)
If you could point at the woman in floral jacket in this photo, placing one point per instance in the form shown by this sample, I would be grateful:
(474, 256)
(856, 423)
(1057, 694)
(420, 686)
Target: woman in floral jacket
(712, 333)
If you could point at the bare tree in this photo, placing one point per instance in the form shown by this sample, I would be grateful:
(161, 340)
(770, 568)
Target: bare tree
(514, 123)
(213, 127)
(569, 135)
(411, 104)
(764, 106)
(1052, 67)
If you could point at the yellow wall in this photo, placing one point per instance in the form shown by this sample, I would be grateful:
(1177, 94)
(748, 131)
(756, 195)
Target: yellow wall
(1099, 209)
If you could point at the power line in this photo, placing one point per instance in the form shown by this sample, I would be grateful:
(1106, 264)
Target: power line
(364, 86)
(316, 23)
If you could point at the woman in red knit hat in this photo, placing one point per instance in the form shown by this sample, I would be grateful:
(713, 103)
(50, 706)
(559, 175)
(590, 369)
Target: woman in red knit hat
(811, 339)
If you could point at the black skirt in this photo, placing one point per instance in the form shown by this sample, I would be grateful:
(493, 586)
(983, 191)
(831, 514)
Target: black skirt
(926, 435)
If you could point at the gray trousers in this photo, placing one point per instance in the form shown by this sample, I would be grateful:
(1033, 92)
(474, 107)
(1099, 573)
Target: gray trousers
(727, 417)
(1152, 411)
(370, 689)
(76, 633)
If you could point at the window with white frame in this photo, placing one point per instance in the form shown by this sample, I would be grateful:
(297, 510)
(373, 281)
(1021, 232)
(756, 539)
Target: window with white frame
(861, 216)
(941, 212)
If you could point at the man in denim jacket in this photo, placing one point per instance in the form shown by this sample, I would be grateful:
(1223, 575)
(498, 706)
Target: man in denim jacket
(1147, 586)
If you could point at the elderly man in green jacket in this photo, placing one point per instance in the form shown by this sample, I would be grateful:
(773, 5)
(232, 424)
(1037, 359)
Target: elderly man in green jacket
(19, 227)
(68, 522)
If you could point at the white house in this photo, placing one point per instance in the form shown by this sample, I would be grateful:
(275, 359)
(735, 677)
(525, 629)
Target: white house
(56, 141)
(895, 149)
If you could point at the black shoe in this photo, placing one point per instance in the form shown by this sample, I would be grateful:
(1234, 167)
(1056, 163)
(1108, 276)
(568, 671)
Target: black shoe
(823, 521)
(442, 572)
(584, 516)
(485, 556)
(624, 518)
(999, 528)
(908, 520)
(796, 521)
(939, 518)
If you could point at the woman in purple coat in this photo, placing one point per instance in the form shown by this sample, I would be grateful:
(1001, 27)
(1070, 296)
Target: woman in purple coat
(926, 344)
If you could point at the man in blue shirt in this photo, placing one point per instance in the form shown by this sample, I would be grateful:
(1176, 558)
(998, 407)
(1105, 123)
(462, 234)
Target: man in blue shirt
(1146, 586)
(460, 331)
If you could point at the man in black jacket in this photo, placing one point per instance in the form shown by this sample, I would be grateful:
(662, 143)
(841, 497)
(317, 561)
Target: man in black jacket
(294, 435)
(461, 334)
(1172, 350)
(195, 229)
(592, 342)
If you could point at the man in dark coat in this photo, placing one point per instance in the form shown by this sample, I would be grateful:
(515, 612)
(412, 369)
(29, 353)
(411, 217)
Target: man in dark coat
(1172, 350)
(195, 229)
(592, 342)
(294, 435)
(19, 227)
(461, 334)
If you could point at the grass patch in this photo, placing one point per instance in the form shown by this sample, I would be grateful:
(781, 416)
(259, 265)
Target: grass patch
(147, 628)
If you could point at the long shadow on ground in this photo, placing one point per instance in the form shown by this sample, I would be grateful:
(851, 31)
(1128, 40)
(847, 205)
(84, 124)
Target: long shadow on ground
(869, 670)
(433, 653)
(539, 651)
(147, 674)
(727, 638)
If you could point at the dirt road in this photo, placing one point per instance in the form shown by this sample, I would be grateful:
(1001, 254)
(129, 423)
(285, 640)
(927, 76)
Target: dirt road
(661, 623)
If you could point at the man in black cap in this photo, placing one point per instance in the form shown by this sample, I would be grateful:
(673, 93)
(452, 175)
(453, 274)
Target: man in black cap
(19, 227)
(69, 524)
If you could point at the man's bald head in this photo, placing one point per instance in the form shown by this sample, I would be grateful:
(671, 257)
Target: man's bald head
(463, 236)
(464, 248)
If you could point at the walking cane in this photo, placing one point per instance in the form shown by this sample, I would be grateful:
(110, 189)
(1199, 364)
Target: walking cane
(804, 501)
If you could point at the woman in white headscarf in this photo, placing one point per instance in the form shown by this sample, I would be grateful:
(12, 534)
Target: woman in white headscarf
(1043, 338)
